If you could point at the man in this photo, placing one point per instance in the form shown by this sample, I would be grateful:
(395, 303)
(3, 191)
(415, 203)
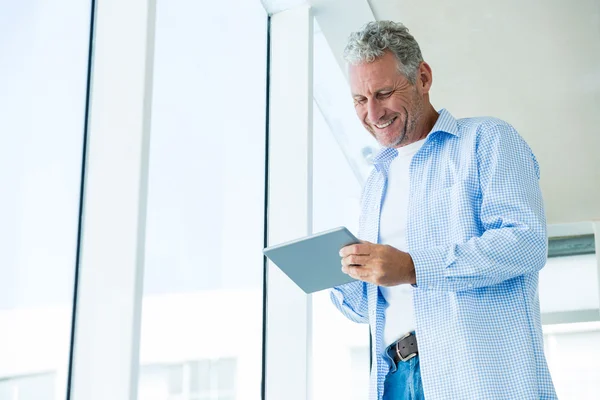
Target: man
(454, 235)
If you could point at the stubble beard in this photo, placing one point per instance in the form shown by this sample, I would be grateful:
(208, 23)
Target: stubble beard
(410, 127)
(410, 123)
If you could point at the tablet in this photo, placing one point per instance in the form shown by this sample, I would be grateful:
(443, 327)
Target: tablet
(314, 262)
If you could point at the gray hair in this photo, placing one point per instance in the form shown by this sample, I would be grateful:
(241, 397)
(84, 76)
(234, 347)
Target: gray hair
(371, 42)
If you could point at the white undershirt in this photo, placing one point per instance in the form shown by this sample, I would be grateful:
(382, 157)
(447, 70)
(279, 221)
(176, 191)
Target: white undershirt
(399, 315)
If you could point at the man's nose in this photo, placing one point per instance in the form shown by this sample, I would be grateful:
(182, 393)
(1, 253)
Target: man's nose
(374, 112)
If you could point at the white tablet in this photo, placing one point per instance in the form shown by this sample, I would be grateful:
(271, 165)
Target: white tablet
(314, 262)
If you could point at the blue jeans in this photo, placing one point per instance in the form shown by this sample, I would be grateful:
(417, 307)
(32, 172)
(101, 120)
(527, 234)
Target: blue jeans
(404, 382)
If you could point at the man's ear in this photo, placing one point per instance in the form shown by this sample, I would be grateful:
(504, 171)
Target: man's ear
(424, 77)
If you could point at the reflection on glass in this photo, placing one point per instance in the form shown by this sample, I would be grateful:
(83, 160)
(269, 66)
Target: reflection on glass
(43, 73)
(202, 306)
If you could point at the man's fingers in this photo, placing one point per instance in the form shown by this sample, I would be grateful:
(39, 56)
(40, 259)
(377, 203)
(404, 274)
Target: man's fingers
(356, 272)
(363, 248)
(355, 260)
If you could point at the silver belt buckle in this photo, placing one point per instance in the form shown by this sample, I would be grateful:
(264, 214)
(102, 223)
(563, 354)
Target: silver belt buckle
(408, 357)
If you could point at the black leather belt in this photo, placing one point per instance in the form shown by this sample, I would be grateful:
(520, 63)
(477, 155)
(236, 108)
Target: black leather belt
(404, 348)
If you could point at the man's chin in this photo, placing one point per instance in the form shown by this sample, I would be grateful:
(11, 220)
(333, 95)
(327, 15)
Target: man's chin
(391, 142)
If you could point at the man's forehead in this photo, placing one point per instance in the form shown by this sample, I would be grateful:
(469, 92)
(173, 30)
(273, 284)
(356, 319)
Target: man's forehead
(373, 75)
(372, 83)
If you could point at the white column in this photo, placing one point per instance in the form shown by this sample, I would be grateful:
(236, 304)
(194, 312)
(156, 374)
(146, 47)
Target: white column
(289, 201)
(108, 313)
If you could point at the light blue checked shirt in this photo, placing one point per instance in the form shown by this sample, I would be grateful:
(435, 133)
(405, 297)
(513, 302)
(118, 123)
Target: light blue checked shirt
(476, 231)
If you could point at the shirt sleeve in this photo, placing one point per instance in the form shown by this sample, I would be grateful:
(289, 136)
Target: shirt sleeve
(351, 300)
(514, 240)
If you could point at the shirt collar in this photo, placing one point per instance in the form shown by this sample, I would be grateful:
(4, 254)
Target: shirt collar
(445, 123)
(384, 156)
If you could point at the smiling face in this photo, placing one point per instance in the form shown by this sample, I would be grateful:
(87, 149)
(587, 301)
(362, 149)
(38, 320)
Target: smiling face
(388, 105)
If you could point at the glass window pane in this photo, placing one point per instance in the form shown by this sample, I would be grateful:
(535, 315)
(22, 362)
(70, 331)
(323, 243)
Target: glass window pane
(204, 239)
(338, 171)
(360, 367)
(32, 387)
(200, 376)
(161, 382)
(175, 375)
(332, 95)
(43, 82)
(226, 373)
(581, 292)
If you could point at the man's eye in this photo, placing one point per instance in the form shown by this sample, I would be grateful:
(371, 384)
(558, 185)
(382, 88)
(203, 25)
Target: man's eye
(359, 101)
(384, 94)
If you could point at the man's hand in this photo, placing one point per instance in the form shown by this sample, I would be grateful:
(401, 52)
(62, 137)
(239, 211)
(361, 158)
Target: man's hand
(379, 264)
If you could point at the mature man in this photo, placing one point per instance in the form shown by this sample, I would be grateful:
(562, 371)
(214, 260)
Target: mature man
(454, 236)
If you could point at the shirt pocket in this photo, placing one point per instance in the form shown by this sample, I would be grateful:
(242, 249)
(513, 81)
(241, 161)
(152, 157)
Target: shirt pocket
(446, 212)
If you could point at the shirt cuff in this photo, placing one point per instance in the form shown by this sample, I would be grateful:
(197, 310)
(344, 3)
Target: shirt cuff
(430, 265)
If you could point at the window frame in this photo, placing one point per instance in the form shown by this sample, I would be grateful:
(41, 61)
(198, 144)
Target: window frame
(106, 334)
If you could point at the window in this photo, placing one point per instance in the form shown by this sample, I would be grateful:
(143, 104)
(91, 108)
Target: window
(30, 387)
(359, 371)
(43, 72)
(204, 266)
(580, 295)
(213, 379)
(161, 382)
(193, 380)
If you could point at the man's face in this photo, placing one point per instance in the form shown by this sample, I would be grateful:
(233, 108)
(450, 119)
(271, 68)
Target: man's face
(385, 101)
